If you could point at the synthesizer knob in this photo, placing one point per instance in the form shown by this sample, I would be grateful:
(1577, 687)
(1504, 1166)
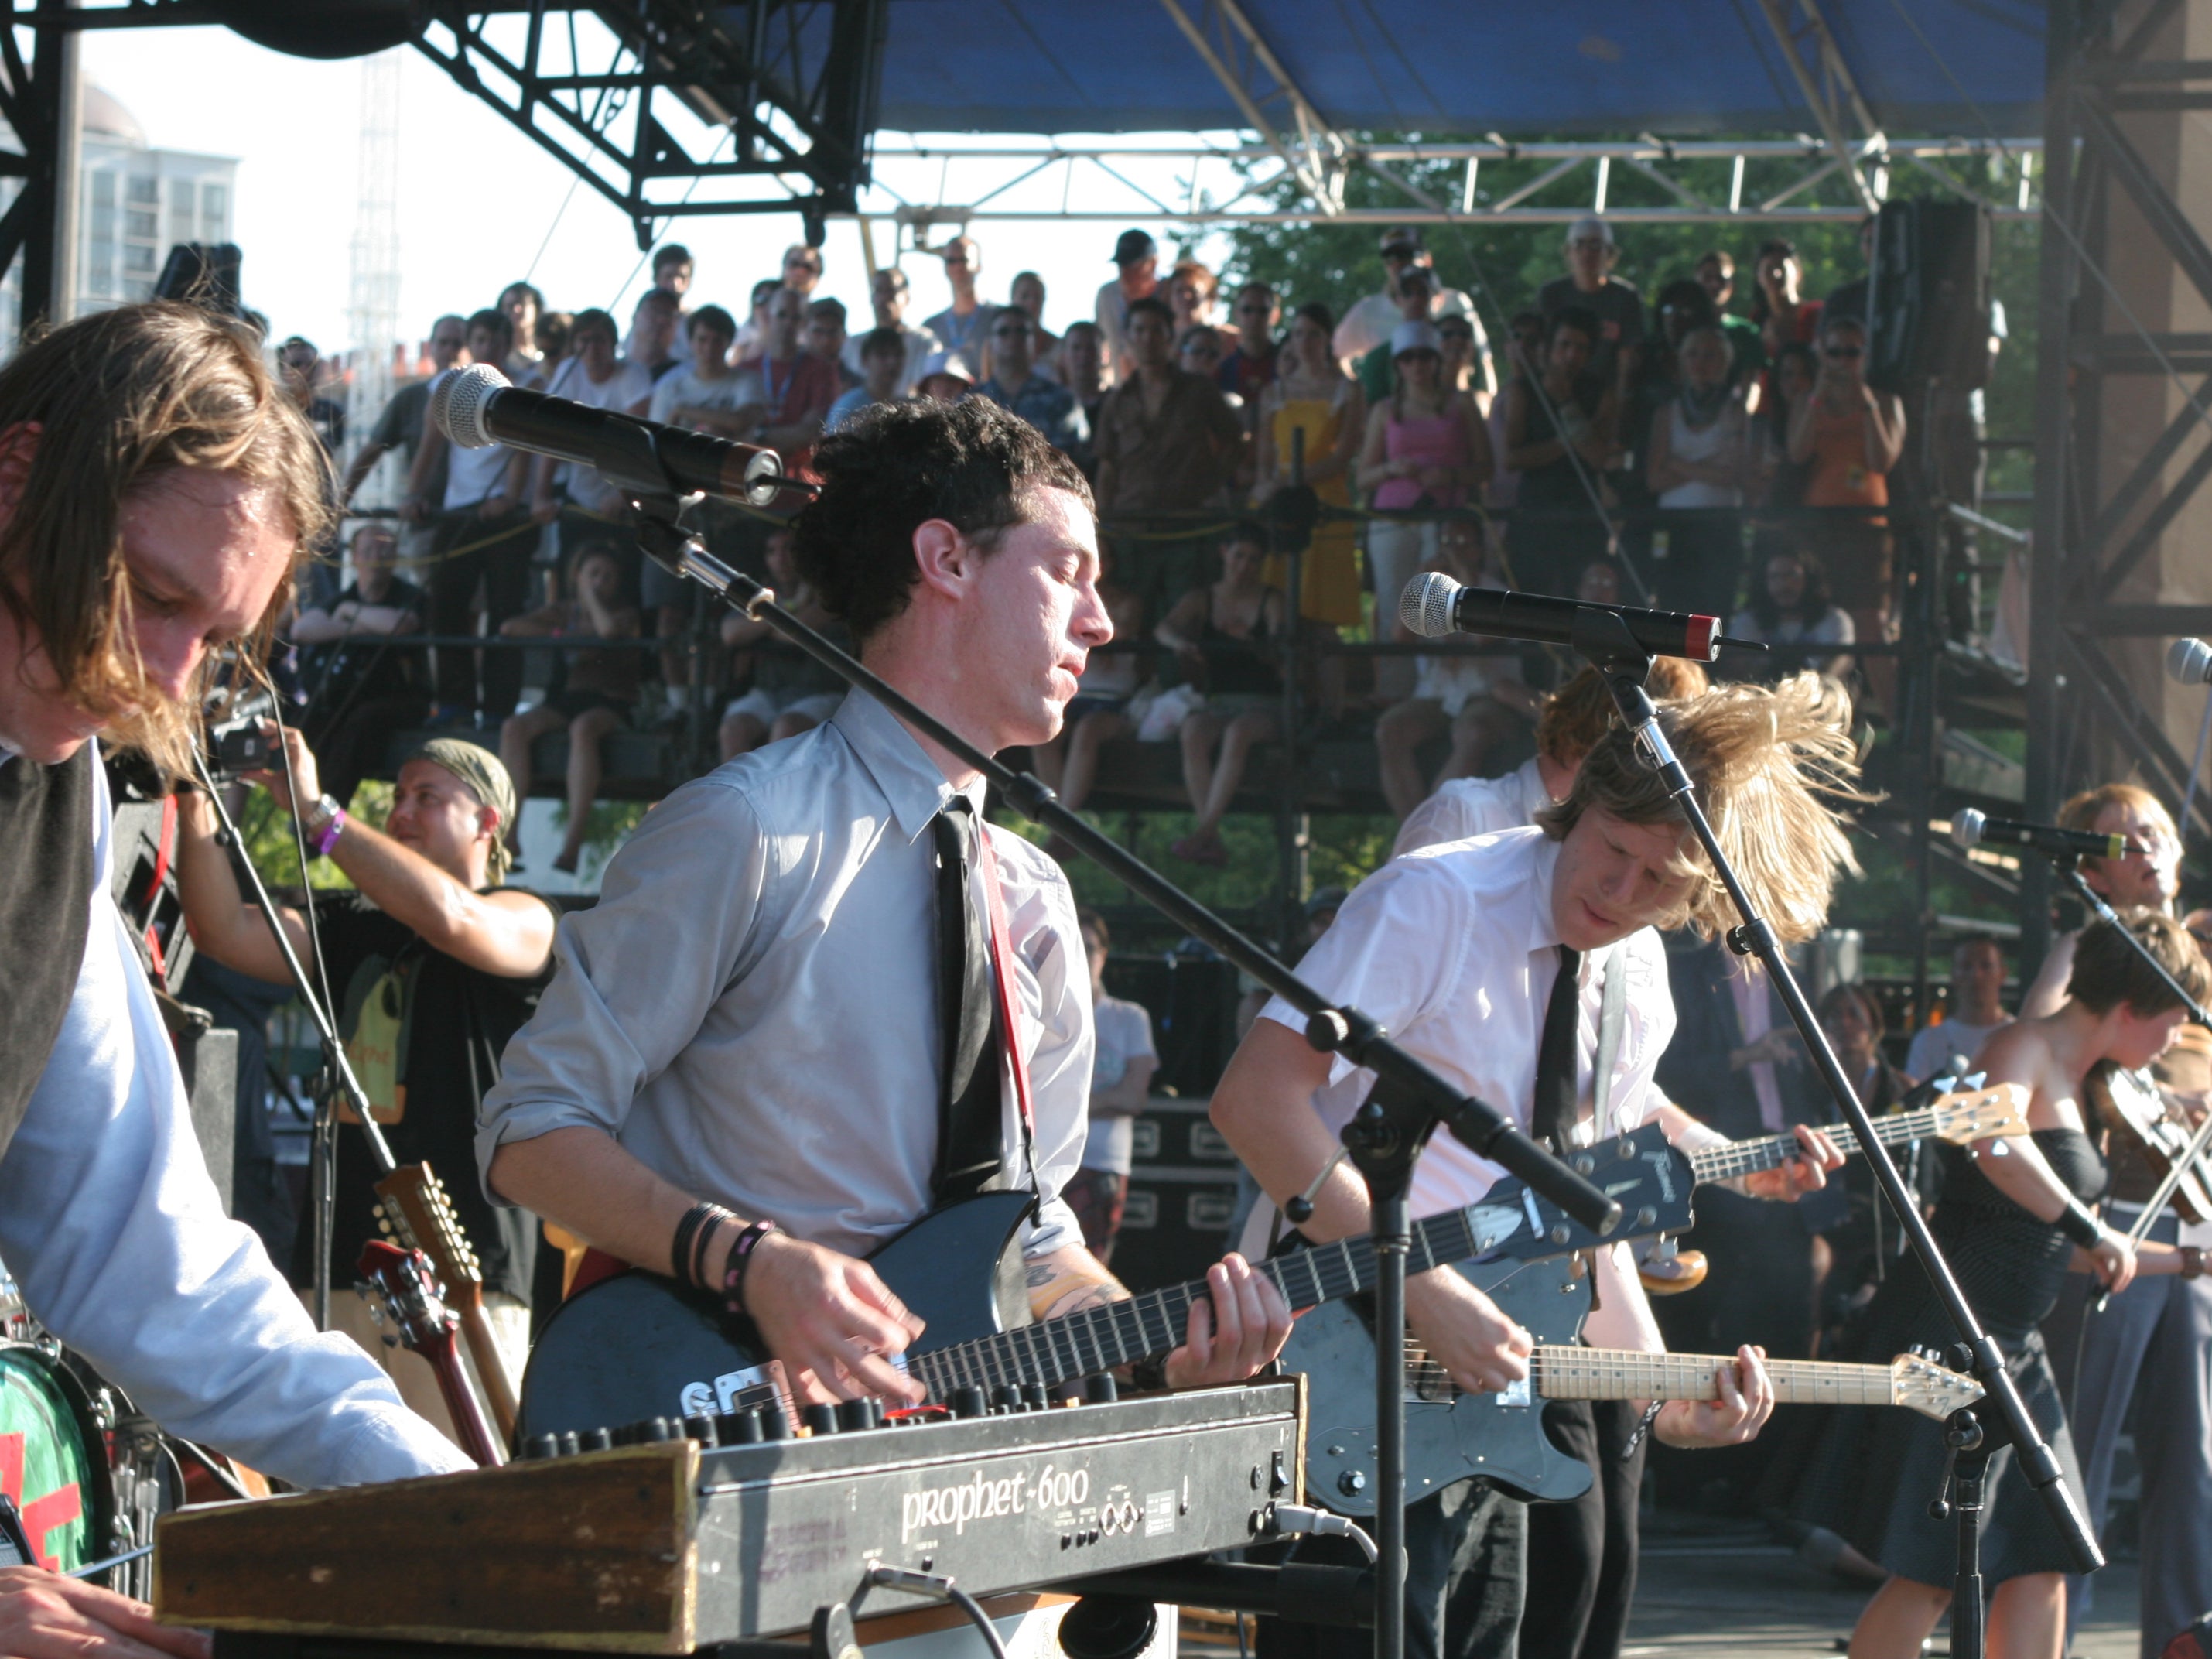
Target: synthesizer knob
(1006, 1396)
(1352, 1483)
(822, 1419)
(595, 1439)
(657, 1429)
(775, 1426)
(700, 1428)
(738, 1428)
(569, 1446)
(1099, 1390)
(856, 1416)
(1034, 1398)
(969, 1401)
(542, 1445)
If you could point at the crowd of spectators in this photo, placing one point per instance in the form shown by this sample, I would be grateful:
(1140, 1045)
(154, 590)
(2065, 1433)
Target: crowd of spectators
(1661, 449)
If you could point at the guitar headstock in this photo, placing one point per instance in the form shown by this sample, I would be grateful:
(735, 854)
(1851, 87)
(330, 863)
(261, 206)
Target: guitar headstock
(1920, 1384)
(1982, 1113)
(1649, 1179)
(407, 1290)
(417, 1214)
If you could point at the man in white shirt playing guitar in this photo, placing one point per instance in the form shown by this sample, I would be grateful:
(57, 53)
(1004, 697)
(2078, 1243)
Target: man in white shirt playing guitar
(1455, 949)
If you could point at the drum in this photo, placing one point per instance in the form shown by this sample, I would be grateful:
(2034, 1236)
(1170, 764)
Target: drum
(83, 1474)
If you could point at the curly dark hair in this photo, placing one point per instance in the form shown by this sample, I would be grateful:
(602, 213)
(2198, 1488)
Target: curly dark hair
(897, 465)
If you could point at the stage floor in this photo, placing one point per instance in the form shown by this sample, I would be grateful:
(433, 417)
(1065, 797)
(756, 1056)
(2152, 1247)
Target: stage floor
(1740, 1595)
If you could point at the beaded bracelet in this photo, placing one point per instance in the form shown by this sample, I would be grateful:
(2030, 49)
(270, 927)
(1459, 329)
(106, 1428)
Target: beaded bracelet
(2080, 1226)
(739, 1261)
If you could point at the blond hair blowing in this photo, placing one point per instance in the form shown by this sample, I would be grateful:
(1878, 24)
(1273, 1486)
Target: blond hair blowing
(123, 398)
(1769, 763)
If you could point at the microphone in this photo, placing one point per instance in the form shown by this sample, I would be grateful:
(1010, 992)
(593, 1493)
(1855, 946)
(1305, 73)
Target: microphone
(478, 406)
(1434, 603)
(1969, 828)
(2190, 661)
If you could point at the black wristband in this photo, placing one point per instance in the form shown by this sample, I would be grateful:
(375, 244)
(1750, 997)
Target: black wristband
(2080, 1226)
(682, 1266)
(739, 1262)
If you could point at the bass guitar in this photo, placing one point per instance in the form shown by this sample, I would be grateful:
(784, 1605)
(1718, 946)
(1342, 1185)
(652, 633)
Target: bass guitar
(1452, 1436)
(639, 1345)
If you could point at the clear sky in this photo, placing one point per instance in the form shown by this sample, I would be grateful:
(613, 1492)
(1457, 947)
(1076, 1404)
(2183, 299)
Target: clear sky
(479, 200)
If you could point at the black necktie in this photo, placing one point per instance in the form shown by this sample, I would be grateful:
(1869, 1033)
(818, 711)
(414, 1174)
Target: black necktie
(970, 1143)
(1551, 1112)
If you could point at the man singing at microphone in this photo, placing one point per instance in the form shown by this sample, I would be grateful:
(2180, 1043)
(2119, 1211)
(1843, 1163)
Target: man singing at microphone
(1508, 964)
(156, 487)
(818, 996)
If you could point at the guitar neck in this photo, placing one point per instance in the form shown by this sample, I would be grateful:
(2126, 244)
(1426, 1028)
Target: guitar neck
(1738, 1158)
(1565, 1372)
(1094, 1340)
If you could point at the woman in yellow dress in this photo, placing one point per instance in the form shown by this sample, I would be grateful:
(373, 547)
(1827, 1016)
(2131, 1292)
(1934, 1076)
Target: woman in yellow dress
(1310, 394)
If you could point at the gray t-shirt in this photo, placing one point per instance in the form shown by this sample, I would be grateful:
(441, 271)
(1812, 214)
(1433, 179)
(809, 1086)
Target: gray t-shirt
(1125, 1033)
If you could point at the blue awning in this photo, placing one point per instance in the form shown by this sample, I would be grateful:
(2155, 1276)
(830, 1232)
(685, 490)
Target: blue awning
(1463, 67)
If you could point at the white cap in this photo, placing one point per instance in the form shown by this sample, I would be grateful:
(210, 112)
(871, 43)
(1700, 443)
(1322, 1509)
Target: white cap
(1414, 335)
(1590, 225)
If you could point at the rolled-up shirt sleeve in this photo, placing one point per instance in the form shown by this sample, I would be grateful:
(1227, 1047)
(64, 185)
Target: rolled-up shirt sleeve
(117, 1240)
(685, 896)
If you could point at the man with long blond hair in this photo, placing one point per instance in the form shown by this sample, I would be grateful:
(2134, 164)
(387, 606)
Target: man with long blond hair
(1491, 960)
(156, 487)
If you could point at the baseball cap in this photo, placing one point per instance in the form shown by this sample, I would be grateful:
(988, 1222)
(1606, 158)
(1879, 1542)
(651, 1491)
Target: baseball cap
(1402, 238)
(1589, 226)
(1132, 244)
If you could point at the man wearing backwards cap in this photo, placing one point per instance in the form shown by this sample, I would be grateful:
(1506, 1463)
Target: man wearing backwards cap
(1137, 262)
(433, 965)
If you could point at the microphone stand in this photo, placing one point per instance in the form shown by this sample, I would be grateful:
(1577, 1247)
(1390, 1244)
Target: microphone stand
(1407, 1104)
(335, 1066)
(1603, 638)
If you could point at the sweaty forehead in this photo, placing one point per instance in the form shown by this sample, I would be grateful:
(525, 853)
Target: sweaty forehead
(215, 542)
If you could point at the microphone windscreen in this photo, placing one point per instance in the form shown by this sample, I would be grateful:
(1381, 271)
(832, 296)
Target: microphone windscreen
(2190, 661)
(458, 397)
(1426, 606)
(1966, 826)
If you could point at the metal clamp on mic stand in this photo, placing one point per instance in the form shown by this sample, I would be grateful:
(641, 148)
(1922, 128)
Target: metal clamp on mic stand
(1605, 641)
(1408, 1100)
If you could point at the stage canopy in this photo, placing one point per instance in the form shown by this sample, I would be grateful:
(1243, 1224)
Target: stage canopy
(1463, 67)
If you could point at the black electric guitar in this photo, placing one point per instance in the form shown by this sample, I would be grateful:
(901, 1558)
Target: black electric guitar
(1452, 1436)
(638, 1346)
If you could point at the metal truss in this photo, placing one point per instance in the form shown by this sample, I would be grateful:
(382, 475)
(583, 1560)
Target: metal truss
(1310, 150)
(1831, 91)
(2089, 539)
(1242, 182)
(670, 109)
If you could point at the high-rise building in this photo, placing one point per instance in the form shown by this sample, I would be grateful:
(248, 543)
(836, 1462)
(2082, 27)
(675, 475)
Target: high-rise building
(136, 202)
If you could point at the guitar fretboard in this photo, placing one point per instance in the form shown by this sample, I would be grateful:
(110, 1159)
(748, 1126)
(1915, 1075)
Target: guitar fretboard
(1738, 1158)
(1094, 1340)
(1578, 1373)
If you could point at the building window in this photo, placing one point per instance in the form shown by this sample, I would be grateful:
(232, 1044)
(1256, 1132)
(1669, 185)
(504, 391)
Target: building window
(184, 198)
(141, 223)
(103, 189)
(146, 191)
(215, 213)
(138, 258)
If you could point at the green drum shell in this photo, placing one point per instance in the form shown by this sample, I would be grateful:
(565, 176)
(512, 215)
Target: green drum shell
(53, 1458)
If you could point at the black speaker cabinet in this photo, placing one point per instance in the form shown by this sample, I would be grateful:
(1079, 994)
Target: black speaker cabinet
(1928, 299)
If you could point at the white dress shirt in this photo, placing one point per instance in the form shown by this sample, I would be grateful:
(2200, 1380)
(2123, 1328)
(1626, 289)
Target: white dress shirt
(1466, 808)
(750, 1009)
(117, 1240)
(1454, 950)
